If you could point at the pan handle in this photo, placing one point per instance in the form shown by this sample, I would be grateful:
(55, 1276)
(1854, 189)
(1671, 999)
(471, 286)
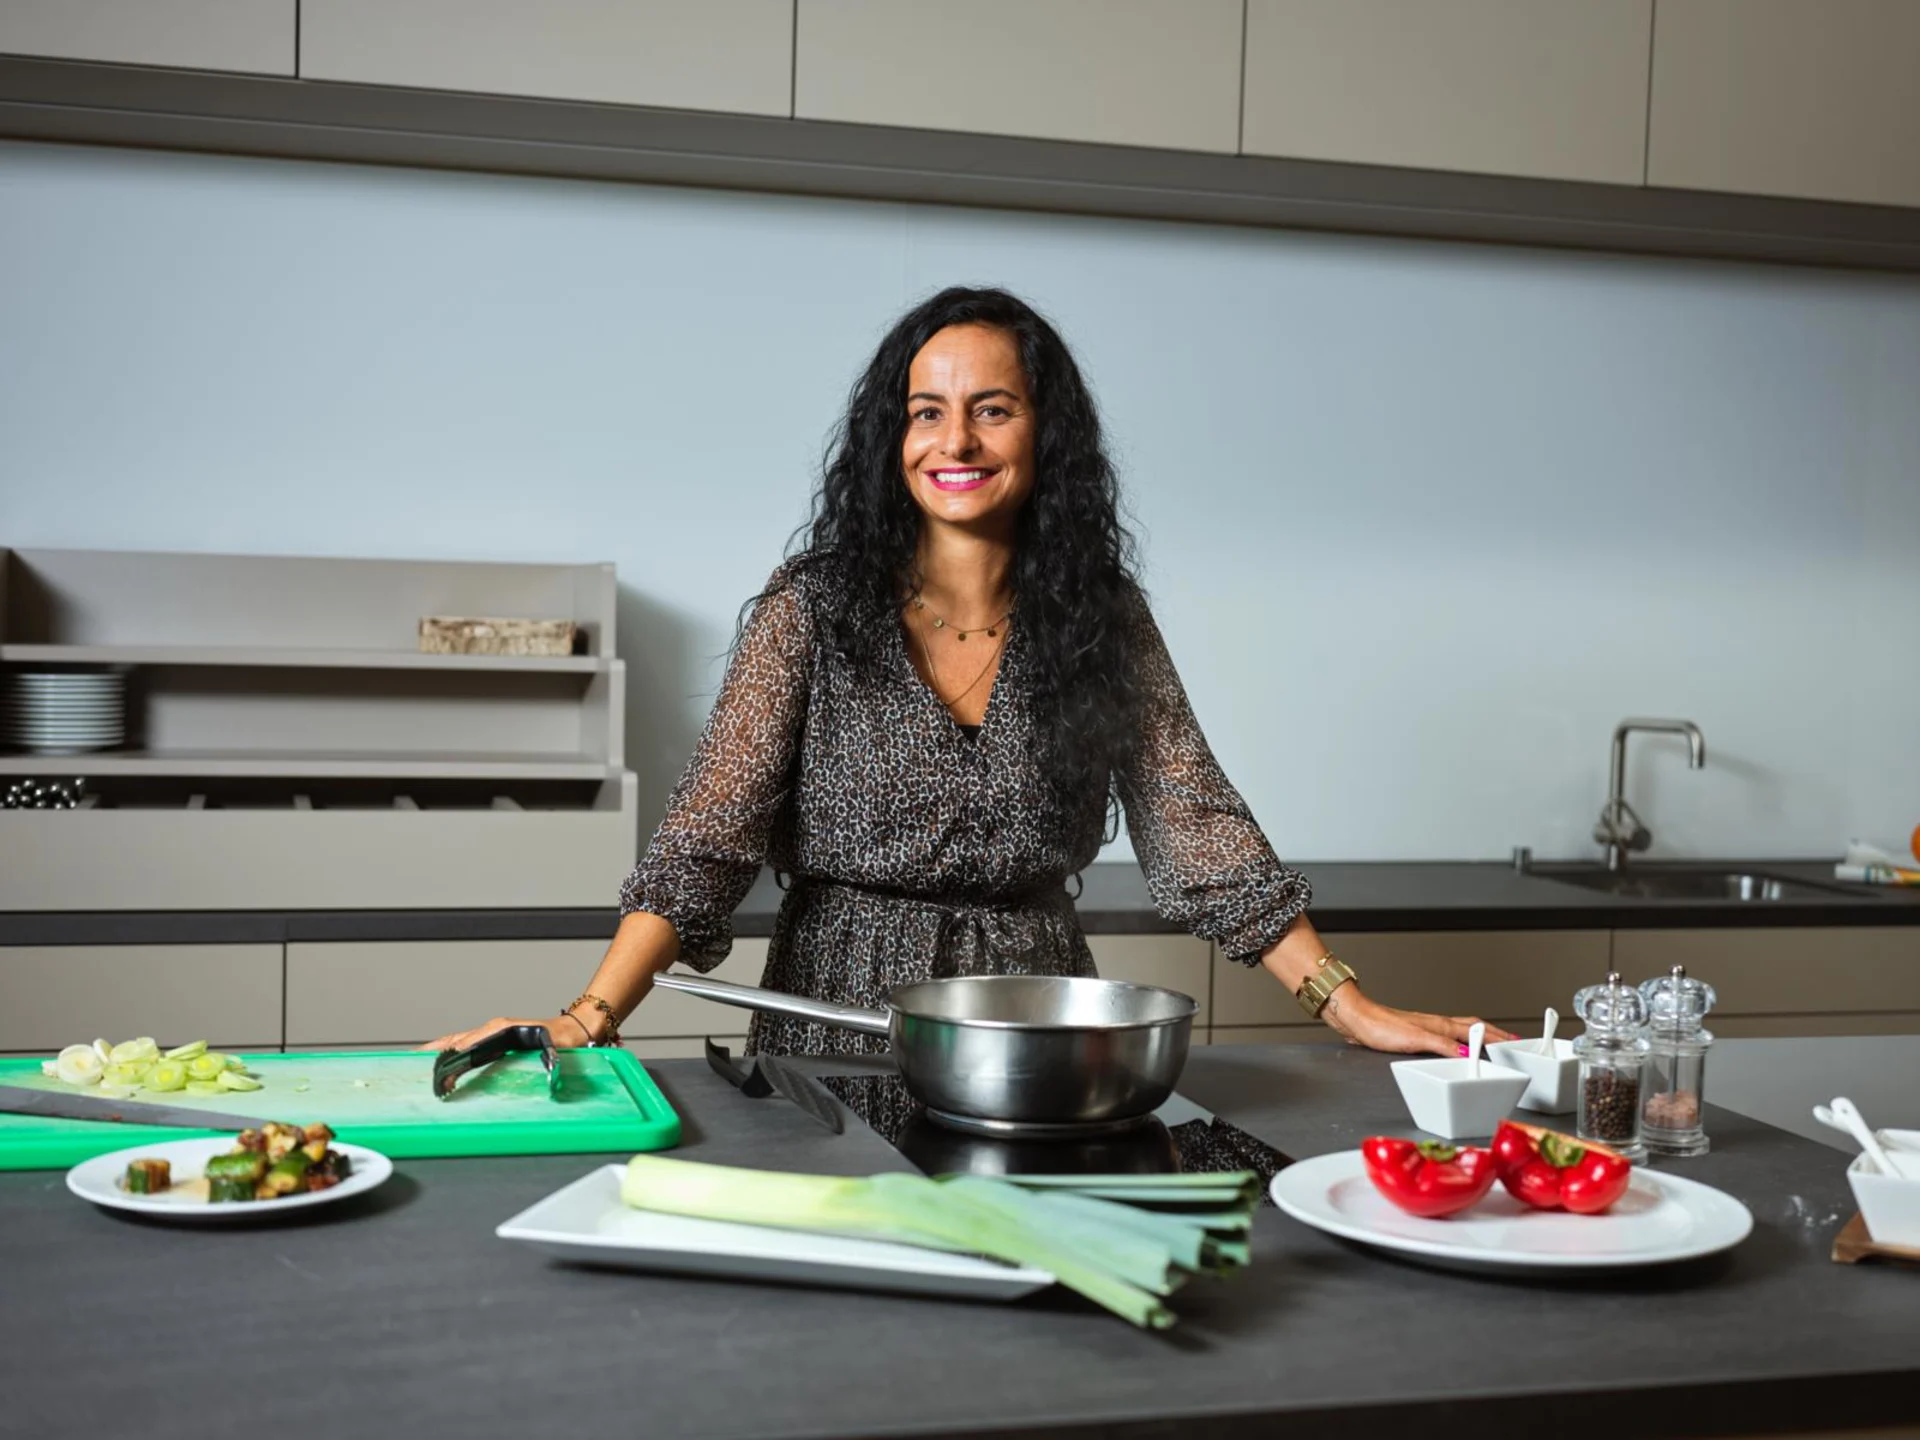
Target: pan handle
(749, 997)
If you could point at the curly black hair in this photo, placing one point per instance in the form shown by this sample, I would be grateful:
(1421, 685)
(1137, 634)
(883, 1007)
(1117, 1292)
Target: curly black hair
(1076, 591)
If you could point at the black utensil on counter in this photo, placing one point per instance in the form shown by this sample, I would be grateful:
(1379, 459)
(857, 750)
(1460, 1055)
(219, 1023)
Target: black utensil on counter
(450, 1065)
(759, 1076)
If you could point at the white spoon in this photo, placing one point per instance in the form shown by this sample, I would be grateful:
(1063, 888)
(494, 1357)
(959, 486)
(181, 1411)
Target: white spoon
(1548, 1025)
(1843, 1115)
(1476, 1035)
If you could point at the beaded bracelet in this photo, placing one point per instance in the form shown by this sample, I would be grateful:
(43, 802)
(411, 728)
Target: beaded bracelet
(613, 1020)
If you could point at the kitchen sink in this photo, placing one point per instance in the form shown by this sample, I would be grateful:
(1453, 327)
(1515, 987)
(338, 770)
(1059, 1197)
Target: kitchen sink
(1652, 884)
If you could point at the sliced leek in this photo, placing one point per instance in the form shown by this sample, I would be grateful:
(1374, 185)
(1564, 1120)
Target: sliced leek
(79, 1065)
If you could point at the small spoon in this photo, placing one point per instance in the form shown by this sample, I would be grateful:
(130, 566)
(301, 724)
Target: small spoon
(1476, 1036)
(1843, 1115)
(1548, 1025)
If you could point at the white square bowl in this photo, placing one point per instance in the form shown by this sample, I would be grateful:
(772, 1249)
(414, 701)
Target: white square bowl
(1890, 1204)
(1552, 1080)
(1445, 1098)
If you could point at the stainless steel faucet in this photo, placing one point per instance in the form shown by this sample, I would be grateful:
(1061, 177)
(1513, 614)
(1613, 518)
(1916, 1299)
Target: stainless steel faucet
(1620, 829)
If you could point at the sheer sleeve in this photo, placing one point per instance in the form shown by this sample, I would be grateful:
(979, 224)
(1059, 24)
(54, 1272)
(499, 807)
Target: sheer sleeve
(1209, 868)
(712, 841)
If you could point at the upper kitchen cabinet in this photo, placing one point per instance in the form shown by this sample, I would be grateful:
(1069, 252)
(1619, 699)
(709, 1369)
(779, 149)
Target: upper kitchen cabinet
(248, 35)
(1551, 89)
(1818, 99)
(733, 55)
(1162, 73)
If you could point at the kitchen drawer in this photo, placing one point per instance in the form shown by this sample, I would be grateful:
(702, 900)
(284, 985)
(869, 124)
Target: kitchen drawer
(55, 995)
(667, 1013)
(687, 1047)
(1782, 970)
(372, 992)
(1886, 1022)
(1486, 973)
(1174, 962)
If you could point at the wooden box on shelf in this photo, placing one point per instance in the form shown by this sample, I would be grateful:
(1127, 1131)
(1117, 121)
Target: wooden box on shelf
(456, 635)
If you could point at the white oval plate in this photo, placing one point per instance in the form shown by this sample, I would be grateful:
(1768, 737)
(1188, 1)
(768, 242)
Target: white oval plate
(98, 1180)
(1661, 1219)
(586, 1222)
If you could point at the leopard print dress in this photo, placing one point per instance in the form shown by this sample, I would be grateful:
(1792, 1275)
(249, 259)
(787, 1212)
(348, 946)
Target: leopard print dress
(910, 849)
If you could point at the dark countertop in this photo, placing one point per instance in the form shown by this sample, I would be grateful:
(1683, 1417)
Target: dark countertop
(1348, 896)
(401, 1310)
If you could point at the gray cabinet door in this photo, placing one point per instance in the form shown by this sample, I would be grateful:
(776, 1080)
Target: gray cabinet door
(249, 35)
(1812, 98)
(347, 993)
(1547, 88)
(1772, 980)
(1162, 73)
(734, 55)
(56, 995)
(1506, 976)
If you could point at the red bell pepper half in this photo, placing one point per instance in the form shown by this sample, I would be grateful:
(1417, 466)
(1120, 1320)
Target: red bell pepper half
(1426, 1177)
(1551, 1171)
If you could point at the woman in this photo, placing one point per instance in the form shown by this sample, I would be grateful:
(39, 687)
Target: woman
(930, 710)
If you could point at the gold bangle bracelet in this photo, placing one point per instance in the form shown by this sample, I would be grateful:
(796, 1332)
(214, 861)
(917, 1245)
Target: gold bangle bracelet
(1327, 976)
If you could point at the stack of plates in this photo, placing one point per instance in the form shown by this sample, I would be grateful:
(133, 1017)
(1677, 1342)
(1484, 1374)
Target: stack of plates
(63, 713)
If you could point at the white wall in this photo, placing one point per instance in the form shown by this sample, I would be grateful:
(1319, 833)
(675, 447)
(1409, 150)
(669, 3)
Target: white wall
(1423, 521)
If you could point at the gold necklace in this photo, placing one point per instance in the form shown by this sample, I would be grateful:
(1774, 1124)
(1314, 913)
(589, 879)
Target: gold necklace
(940, 623)
(933, 671)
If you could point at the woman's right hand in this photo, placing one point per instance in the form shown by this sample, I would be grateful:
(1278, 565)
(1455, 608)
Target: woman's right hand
(567, 1032)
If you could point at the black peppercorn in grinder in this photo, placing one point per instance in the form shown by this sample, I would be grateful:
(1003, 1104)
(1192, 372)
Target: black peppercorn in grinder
(1613, 1058)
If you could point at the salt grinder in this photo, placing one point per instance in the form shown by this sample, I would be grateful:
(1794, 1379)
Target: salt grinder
(1671, 1119)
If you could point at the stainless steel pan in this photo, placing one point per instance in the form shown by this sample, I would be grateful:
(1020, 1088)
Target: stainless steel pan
(1015, 1051)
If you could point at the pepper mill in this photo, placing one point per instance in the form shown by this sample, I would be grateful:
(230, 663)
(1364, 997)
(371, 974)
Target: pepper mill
(1613, 1054)
(1671, 1119)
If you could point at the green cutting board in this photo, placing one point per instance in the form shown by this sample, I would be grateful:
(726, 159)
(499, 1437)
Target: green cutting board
(383, 1099)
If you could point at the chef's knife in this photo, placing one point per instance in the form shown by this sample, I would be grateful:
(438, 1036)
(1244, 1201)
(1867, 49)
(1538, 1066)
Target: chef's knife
(762, 1075)
(21, 1100)
(813, 1098)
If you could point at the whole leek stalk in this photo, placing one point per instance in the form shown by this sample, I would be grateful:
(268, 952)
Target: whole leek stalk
(974, 1216)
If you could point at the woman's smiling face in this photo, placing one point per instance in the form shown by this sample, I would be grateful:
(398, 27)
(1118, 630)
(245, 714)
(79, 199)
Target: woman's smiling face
(968, 451)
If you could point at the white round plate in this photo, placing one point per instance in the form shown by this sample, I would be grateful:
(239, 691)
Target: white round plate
(98, 1180)
(1661, 1219)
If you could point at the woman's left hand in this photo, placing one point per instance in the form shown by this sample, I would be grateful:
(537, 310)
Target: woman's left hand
(1381, 1027)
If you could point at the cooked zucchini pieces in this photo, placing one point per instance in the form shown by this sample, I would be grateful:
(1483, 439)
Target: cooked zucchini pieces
(148, 1177)
(265, 1164)
(277, 1160)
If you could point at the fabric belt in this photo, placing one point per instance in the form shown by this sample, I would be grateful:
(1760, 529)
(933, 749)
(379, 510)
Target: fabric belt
(972, 936)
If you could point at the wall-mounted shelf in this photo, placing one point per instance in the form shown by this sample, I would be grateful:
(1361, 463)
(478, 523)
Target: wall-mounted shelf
(287, 747)
(295, 659)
